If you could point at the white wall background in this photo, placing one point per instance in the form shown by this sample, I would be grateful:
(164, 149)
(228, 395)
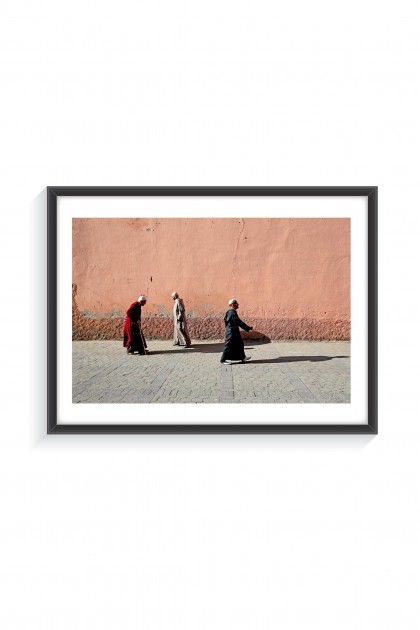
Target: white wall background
(208, 533)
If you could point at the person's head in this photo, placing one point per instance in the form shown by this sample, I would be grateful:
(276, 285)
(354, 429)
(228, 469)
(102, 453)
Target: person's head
(175, 295)
(142, 300)
(233, 303)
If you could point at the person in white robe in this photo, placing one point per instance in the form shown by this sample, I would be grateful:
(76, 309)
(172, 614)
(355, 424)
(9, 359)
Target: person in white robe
(181, 334)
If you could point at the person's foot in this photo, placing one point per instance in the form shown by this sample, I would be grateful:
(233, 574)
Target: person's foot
(246, 359)
(228, 362)
(130, 352)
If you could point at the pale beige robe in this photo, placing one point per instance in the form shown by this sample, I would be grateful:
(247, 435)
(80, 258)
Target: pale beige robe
(181, 335)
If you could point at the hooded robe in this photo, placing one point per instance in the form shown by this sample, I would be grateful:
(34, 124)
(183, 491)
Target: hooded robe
(134, 339)
(181, 334)
(234, 346)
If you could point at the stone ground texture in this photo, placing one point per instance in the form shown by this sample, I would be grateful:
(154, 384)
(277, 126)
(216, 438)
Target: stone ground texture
(280, 372)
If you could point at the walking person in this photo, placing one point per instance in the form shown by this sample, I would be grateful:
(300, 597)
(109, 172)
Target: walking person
(181, 334)
(234, 346)
(134, 339)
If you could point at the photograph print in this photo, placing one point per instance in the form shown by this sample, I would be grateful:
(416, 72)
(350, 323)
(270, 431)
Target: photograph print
(212, 310)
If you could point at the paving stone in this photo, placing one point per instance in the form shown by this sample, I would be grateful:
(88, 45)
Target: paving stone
(280, 372)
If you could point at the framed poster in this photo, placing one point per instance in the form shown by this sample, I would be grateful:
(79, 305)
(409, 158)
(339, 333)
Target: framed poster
(212, 310)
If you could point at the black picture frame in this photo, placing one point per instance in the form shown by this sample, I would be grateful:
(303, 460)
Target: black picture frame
(370, 427)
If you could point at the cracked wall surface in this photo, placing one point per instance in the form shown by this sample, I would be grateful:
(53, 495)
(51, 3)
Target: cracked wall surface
(290, 276)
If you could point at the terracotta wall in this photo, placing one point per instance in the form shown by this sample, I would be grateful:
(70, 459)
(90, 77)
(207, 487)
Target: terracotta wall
(290, 275)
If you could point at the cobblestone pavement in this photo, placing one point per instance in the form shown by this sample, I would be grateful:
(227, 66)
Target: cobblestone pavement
(280, 372)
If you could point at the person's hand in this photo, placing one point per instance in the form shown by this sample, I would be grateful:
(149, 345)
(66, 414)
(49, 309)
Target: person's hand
(250, 328)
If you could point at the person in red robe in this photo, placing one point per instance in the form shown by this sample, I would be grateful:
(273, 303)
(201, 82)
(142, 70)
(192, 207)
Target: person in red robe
(134, 339)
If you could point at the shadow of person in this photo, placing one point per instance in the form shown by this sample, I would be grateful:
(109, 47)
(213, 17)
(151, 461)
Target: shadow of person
(254, 336)
(296, 359)
(216, 348)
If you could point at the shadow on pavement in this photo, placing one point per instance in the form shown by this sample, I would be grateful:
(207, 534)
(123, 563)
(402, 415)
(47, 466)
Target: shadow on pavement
(294, 359)
(204, 348)
(255, 337)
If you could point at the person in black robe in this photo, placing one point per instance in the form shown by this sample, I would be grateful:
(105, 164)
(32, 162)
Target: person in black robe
(134, 339)
(234, 346)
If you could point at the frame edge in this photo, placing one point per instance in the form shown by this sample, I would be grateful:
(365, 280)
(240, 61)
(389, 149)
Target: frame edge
(373, 310)
(51, 310)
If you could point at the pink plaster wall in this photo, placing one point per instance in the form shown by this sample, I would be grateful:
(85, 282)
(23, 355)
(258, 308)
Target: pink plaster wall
(278, 269)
